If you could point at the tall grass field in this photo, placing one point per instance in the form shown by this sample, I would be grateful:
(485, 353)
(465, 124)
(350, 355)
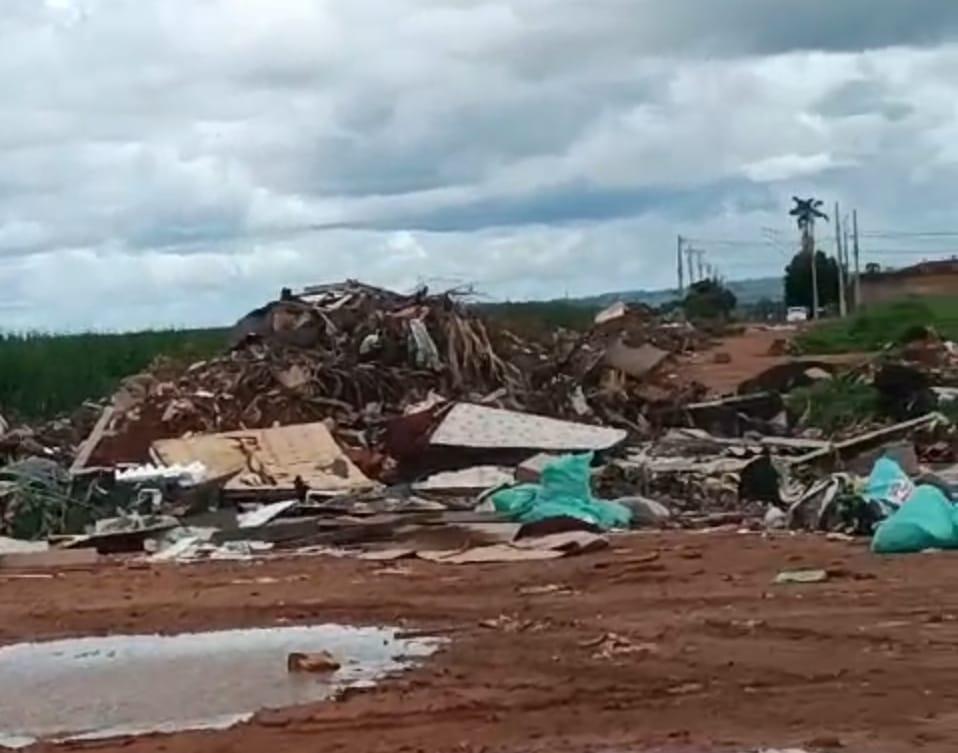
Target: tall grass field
(44, 375)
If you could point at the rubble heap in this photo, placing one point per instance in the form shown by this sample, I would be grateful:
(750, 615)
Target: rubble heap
(622, 372)
(350, 354)
(355, 356)
(359, 366)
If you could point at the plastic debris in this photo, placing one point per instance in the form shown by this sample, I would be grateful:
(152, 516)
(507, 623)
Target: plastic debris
(801, 576)
(564, 491)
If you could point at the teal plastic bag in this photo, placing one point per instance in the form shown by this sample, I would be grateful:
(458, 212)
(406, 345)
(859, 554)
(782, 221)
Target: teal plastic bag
(926, 521)
(888, 486)
(565, 489)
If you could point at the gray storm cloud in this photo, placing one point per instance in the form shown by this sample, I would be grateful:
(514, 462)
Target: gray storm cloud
(183, 160)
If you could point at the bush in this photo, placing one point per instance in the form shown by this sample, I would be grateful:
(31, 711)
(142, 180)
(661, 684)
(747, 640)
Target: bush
(709, 299)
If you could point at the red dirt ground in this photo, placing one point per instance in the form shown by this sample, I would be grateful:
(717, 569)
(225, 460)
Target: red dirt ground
(865, 662)
(749, 353)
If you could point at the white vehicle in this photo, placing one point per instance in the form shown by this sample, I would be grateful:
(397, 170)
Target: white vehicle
(796, 314)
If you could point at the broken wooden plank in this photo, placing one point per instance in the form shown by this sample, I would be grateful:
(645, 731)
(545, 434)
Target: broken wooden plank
(51, 559)
(91, 442)
(864, 442)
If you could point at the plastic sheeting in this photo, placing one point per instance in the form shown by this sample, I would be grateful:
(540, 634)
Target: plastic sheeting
(923, 517)
(564, 491)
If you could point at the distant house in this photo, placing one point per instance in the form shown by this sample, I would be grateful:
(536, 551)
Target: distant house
(929, 278)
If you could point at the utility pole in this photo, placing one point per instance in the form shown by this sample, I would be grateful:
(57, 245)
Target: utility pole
(858, 281)
(701, 256)
(842, 308)
(846, 238)
(690, 255)
(808, 246)
(681, 271)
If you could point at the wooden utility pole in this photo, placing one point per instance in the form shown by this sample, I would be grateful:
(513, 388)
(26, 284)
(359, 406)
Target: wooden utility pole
(701, 257)
(681, 272)
(858, 281)
(842, 306)
(689, 256)
(808, 240)
(846, 239)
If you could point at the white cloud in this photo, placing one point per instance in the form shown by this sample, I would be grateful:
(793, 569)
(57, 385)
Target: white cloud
(175, 162)
(787, 166)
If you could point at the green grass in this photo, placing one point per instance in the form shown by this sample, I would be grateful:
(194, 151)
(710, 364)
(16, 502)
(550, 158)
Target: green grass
(43, 375)
(833, 404)
(880, 325)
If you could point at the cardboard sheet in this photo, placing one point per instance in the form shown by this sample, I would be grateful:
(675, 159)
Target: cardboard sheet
(269, 458)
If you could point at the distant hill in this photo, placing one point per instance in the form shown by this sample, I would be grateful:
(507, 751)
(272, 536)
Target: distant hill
(537, 319)
(747, 291)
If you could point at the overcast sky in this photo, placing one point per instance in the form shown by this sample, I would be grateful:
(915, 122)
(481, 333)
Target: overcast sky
(175, 162)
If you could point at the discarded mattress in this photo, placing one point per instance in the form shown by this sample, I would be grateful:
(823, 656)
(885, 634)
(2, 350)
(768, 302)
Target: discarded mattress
(564, 491)
(477, 426)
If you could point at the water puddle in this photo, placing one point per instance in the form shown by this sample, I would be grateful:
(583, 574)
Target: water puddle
(123, 685)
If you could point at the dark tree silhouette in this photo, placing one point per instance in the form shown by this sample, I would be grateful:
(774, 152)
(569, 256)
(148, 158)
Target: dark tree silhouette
(805, 212)
(798, 280)
(709, 299)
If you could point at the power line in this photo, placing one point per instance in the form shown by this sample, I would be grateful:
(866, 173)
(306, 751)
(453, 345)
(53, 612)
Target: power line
(911, 252)
(910, 234)
(744, 241)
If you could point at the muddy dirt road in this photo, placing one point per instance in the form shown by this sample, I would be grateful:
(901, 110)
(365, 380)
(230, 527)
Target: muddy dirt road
(706, 654)
(749, 354)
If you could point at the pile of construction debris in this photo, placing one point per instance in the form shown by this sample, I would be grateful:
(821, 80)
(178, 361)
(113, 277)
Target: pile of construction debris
(349, 355)
(622, 372)
(353, 419)
(357, 357)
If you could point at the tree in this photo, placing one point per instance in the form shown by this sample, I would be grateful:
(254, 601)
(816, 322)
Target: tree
(709, 299)
(805, 212)
(798, 280)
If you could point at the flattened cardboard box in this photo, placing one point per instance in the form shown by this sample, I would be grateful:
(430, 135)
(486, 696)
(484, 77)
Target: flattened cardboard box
(269, 458)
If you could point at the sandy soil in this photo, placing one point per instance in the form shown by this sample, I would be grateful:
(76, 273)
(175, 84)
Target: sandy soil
(712, 656)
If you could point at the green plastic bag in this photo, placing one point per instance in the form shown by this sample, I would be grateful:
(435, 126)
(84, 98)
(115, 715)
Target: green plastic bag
(926, 521)
(564, 490)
